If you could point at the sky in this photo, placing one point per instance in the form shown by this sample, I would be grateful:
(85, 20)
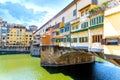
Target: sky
(30, 12)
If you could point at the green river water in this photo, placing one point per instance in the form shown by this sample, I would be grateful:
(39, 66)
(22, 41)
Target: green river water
(25, 67)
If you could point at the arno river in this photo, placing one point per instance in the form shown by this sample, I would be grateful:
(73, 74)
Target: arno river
(25, 67)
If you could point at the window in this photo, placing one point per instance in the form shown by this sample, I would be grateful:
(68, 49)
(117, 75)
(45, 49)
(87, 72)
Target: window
(63, 19)
(73, 28)
(94, 22)
(20, 32)
(85, 39)
(64, 39)
(53, 39)
(76, 26)
(102, 19)
(57, 40)
(74, 12)
(74, 40)
(69, 39)
(61, 31)
(17, 32)
(57, 33)
(97, 20)
(94, 1)
(84, 25)
(66, 29)
(96, 38)
(82, 14)
(80, 40)
(112, 41)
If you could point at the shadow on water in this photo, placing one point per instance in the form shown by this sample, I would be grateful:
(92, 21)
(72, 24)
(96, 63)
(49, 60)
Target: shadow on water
(13, 52)
(77, 72)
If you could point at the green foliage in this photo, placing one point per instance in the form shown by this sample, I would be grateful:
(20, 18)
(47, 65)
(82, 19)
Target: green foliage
(99, 8)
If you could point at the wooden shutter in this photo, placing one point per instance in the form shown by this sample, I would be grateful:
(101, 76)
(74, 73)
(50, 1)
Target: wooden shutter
(118, 40)
(103, 42)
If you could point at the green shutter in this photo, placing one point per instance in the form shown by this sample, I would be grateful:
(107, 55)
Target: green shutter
(84, 24)
(102, 19)
(90, 22)
(94, 22)
(81, 25)
(69, 39)
(97, 20)
(87, 24)
(64, 39)
(80, 40)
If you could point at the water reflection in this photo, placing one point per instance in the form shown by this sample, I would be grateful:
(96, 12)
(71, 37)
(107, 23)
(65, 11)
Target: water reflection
(25, 67)
(92, 71)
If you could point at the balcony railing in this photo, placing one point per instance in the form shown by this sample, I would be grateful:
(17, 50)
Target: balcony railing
(84, 18)
(75, 20)
(104, 6)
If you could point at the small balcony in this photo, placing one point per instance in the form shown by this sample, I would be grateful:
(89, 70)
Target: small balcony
(84, 25)
(105, 6)
(84, 17)
(76, 28)
(75, 20)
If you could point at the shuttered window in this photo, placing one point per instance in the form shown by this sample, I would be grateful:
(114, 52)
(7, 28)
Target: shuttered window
(83, 39)
(96, 38)
(80, 39)
(97, 20)
(74, 40)
(112, 41)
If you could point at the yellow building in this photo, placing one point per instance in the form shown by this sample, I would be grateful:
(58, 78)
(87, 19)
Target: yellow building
(85, 28)
(29, 37)
(112, 31)
(16, 36)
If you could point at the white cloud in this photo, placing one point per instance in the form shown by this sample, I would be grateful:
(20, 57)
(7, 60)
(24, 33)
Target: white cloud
(13, 1)
(48, 16)
(50, 13)
(10, 18)
(43, 20)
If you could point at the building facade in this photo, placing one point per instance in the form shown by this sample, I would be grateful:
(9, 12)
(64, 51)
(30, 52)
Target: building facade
(18, 36)
(3, 32)
(84, 25)
(29, 37)
(111, 35)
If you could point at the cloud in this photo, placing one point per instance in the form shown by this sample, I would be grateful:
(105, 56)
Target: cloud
(6, 15)
(36, 12)
(20, 13)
